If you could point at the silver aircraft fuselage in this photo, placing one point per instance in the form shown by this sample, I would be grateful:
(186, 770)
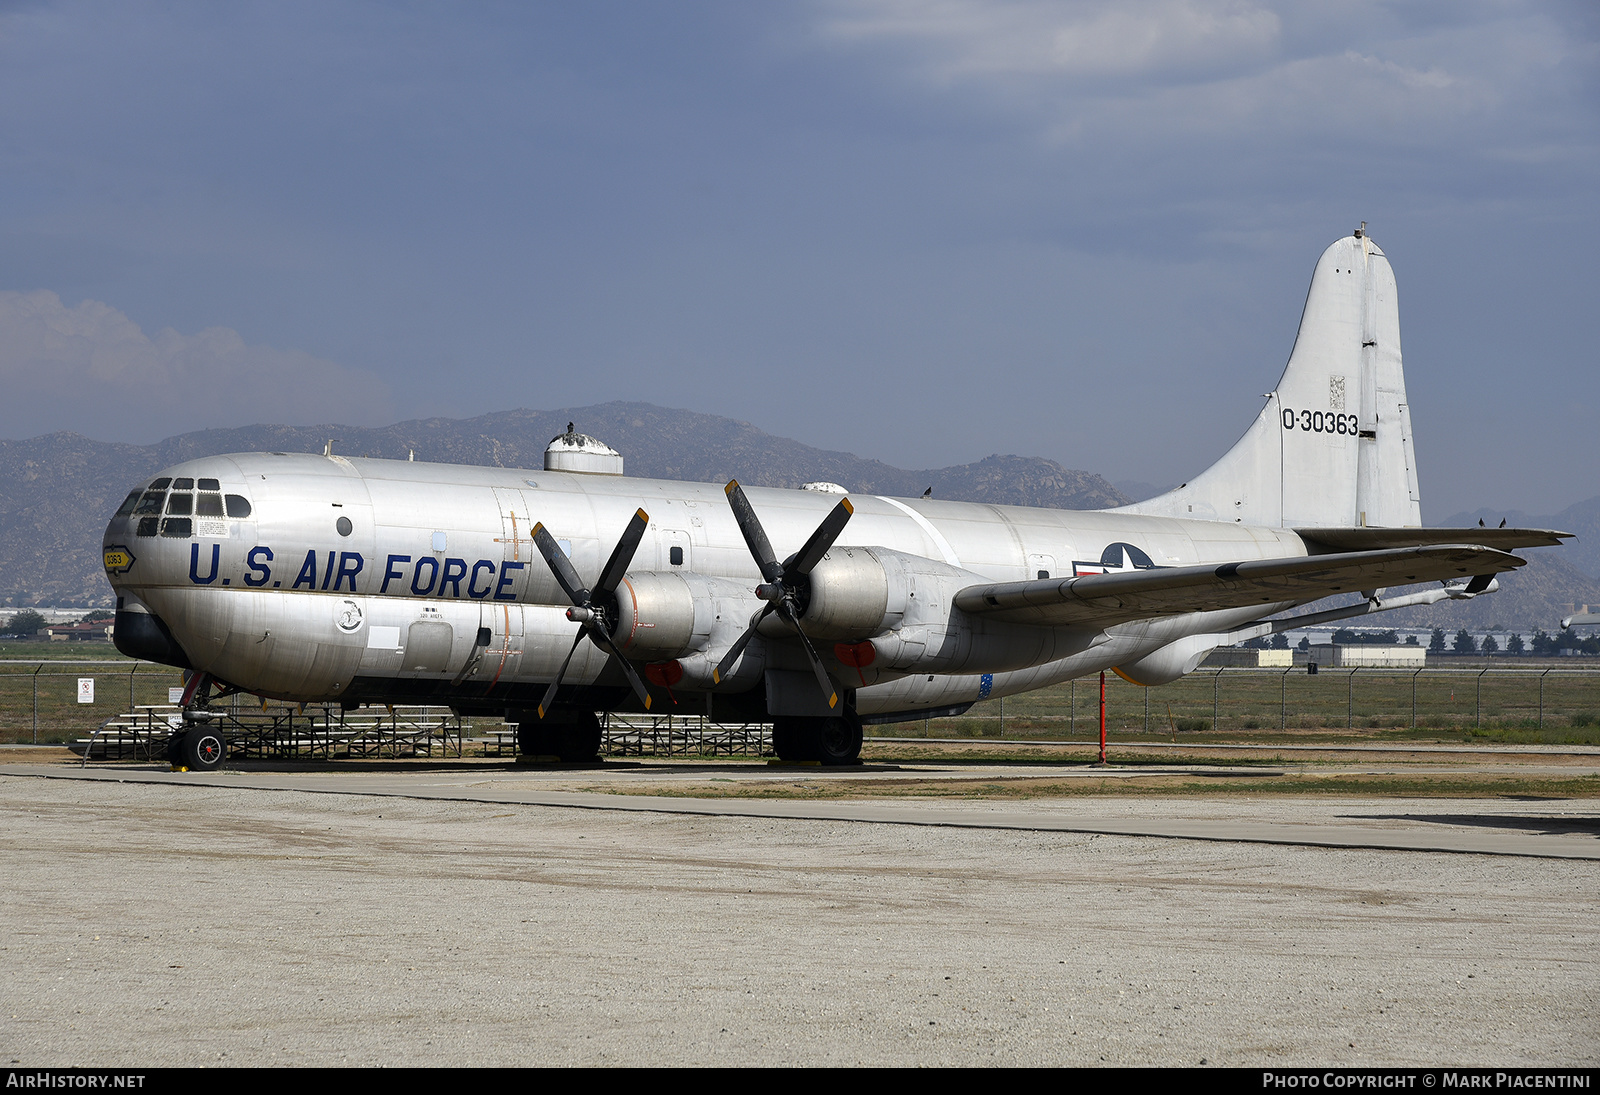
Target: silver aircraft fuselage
(318, 578)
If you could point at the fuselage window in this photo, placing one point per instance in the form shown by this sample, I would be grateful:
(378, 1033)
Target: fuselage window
(183, 484)
(177, 527)
(238, 506)
(675, 556)
(180, 503)
(147, 525)
(207, 505)
(151, 502)
(161, 484)
(210, 484)
(127, 504)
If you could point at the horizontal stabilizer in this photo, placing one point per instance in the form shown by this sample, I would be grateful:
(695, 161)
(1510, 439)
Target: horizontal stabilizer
(1105, 599)
(1322, 540)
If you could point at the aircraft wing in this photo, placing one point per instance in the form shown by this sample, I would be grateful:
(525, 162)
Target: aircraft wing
(1321, 540)
(1106, 599)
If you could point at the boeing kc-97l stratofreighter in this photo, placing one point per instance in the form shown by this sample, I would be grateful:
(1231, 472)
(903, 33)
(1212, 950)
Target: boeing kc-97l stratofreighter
(545, 597)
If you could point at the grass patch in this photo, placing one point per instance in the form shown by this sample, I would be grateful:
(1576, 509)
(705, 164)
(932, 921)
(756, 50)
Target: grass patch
(1389, 786)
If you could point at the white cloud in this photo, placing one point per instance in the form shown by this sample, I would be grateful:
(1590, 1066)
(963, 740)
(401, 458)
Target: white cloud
(1247, 70)
(969, 38)
(90, 368)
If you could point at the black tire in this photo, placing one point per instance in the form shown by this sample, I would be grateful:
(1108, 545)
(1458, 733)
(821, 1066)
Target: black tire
(175, 748)
(204, 749)
(839, 740)
(797, 740)
(535, 739)
(579, 742)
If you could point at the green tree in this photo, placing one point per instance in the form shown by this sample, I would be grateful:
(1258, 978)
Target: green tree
(1436, 642)
(1514, 644)
(1489, 645)
(1464, 642)
(25, 622)
(1280, 641)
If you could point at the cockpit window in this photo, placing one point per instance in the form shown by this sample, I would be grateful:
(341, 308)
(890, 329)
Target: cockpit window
(180, 528)
(151, 502)
(147, 525)
(183, 484)
(238, 506)
(210, 484)
(180, 502)
(127, 504)
(207, 504)
(161, 484)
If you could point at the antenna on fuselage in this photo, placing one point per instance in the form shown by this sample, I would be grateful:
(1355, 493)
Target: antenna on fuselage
(413, 456)
(327, 450)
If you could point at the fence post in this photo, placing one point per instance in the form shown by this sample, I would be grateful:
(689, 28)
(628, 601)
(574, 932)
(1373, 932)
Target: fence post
(36, 701)
(1147, 710)
(1002, 716)
(1541, 698)
(131, 672)
(1414, 677)
(1215, 677)
(1072, 703)
(1350, 700)
(1283, 700)
(1477, 716)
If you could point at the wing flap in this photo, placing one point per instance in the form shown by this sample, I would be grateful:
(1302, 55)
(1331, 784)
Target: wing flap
(1106, 599)
(1322, 540)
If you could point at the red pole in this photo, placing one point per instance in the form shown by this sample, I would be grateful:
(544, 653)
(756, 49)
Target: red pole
(1102, 716)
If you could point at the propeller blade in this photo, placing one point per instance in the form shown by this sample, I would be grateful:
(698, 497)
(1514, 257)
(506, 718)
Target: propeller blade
(816, 663)
(738, 647)
(622, 554)
(819, 543)
(755, 537)
(566, 577)
(604, 641)
(550, 693)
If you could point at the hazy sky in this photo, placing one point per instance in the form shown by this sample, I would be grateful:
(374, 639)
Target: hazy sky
(919, 230)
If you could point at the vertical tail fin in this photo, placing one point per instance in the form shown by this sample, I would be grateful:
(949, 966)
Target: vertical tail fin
(1332, 447)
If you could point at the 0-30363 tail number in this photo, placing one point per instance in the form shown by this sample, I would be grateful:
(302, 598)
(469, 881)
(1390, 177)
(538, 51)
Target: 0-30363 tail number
(1319, 422)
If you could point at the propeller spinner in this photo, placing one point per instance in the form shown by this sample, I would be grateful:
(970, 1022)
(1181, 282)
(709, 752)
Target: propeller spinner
(785, 582)
(593, 609)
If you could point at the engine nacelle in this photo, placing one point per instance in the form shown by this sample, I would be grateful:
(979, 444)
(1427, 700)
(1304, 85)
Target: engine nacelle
(658, 617)
(1168, 663)
(849, 596)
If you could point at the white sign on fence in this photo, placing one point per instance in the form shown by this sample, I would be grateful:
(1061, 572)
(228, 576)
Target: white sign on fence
(175, 695)
(85, 689)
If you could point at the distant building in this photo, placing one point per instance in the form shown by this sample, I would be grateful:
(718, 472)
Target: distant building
(1365, 656)
(61, 633)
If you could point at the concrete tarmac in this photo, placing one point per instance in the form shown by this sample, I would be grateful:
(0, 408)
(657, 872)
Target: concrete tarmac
(494, 915)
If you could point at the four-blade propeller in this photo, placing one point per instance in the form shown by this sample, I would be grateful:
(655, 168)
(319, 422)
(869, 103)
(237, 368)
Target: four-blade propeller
(786, 582)
(595, 609)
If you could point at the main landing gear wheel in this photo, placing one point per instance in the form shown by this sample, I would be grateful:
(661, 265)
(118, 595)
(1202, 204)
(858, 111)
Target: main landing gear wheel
(832, 741)
(202, 749)
(175, 748)
(574, 741)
